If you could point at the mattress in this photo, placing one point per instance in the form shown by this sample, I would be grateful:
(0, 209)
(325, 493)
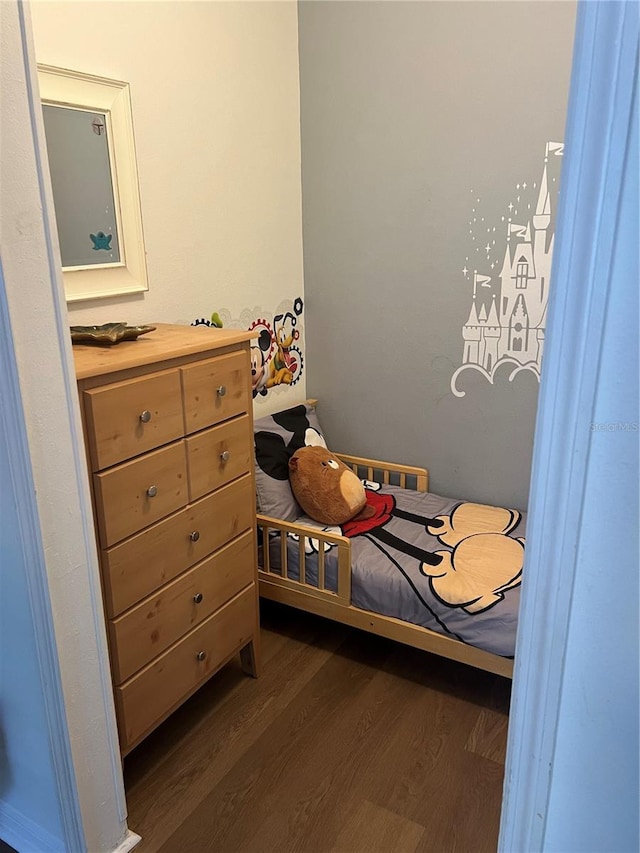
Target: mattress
(449, 565)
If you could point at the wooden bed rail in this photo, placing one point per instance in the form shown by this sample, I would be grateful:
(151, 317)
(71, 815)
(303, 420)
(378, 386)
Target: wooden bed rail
(388, 473)
(316, 540)
(310, 540)
(275, 584)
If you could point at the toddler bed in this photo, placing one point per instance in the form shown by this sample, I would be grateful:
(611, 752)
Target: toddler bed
(435, 573)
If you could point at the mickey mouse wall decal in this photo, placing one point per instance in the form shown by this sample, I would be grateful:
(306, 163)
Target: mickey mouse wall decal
(259, 353)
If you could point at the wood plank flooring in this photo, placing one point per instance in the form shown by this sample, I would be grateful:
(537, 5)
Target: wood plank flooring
(347, 743)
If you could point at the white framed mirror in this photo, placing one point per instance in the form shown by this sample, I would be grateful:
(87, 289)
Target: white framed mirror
(90, 146)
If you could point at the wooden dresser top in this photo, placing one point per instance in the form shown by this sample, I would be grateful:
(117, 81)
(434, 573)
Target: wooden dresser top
(166, 342)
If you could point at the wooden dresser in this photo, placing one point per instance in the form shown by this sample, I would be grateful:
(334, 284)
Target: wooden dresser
(168, 429)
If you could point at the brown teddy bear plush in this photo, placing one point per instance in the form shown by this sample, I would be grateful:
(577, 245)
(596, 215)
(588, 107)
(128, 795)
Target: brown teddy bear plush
(326, 489)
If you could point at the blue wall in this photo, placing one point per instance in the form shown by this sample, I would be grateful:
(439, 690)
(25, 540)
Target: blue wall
(593, 801)
(571, 783)
(29, 806)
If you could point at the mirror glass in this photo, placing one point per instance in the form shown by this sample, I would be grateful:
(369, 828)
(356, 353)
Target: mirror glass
(81, 177)
(88, 131)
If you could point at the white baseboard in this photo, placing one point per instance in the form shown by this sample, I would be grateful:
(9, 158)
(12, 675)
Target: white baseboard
(25, 836)
(130, 840)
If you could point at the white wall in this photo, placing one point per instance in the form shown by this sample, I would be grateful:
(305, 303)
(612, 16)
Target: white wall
(215, 97)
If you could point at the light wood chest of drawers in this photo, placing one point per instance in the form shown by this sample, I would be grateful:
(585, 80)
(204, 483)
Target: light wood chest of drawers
(168, 430)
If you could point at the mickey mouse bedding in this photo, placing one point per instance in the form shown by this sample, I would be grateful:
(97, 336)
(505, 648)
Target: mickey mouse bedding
(449, 565)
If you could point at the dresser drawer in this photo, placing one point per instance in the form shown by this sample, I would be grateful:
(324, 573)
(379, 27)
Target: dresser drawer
(153, 625)
(139, 566)
(160, 687)
(215, 390)
(128, 418)
(218, 455)
(135, 494)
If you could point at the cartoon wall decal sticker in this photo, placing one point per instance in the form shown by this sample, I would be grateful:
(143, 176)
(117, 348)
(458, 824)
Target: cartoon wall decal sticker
(287, 359)
(276, 353)
(101, 241)
(260, 352)
(506, 325)
(214, 321)
(97, 125)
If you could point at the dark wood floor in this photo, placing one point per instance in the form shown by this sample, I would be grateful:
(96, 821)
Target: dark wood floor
(347, 742)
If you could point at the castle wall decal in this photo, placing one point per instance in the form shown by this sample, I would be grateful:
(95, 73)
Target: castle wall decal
(507, 319)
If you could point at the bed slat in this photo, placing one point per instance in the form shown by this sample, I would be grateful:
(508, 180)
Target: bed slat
(302, 556)
(284, 555)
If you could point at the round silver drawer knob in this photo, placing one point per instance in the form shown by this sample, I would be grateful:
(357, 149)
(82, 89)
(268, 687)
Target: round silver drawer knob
(152, 491)
(201, 656)
(145, 416)
(198, 598)
(222, 391)
(194, 535)
(225, 456)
